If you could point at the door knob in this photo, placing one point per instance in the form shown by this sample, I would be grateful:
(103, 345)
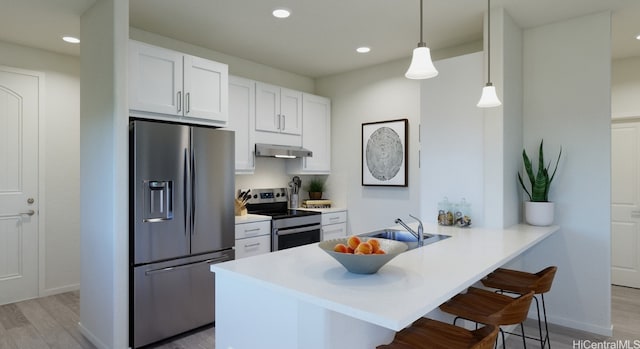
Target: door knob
(30, 201)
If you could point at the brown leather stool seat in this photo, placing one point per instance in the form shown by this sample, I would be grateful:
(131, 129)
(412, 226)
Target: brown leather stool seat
(486, 307)
(431, 334)
(519, 282)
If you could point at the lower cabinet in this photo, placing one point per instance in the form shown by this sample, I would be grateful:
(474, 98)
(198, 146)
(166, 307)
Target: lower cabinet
(253, 238)
(334, 225)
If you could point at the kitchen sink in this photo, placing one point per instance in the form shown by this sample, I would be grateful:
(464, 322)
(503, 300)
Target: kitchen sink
(405, 236)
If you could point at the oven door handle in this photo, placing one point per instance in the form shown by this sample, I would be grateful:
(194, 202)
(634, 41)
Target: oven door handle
(296, 230)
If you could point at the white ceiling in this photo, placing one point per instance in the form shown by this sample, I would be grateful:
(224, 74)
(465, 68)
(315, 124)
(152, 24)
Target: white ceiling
(320, 37)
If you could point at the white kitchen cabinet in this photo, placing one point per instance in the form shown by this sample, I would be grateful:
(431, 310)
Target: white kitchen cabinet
(278, 109)
(252, 238)
(241, 120)
(334, 225)
(316, 136)
(165, 82)
(253, 246)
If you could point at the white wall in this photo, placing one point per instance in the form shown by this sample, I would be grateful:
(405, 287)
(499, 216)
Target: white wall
(625, 88)
(452, 156)
(104, 174)
(571, 109)
(376, 93)
(507, 46)
(61, 204)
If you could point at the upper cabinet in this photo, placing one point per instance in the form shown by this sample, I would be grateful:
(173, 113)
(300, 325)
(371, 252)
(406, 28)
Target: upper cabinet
(278, 109)
(241, 120)
(168, 82)
(316, 136)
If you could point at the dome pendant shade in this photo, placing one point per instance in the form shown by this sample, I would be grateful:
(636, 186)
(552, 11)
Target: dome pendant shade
(421, 65)
(489, 97)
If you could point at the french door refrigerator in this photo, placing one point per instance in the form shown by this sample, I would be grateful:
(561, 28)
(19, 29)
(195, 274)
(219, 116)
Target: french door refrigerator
(181, 221)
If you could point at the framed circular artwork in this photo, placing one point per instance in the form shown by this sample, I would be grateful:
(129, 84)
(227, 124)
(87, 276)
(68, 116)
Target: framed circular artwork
(384, 153)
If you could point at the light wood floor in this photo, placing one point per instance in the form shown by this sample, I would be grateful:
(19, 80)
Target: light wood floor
(52, 323)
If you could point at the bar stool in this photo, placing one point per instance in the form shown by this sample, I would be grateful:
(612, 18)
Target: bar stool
(486, 307)
(519, 282)
(431, 334)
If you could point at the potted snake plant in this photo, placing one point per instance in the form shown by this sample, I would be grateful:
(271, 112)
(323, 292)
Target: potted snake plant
(538, 210)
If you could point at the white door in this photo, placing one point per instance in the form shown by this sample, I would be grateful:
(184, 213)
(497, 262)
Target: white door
(241, 119)
(268, 108)
(625, 204)
(316, 135)
(155, 79)
(19, 105)
(291, 111)
(206, 86)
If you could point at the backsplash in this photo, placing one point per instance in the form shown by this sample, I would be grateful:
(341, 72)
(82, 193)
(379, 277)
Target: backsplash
(272, 173)
(269, 173)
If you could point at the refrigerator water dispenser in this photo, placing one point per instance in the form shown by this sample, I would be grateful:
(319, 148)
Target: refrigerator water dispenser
(158, 197)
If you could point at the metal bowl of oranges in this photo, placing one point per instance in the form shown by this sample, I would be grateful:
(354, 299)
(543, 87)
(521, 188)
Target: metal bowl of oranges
(363, 255)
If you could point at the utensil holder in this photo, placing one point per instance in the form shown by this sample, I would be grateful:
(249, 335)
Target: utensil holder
(293, 201)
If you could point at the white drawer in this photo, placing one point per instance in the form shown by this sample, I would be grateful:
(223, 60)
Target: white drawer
(253, 246)
(334, 217)
(334, 231)
(247, 230)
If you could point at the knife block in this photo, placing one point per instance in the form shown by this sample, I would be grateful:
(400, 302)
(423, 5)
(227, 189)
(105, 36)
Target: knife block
(239, 208)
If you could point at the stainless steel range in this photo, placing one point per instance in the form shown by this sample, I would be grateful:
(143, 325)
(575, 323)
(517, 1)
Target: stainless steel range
(289, 227)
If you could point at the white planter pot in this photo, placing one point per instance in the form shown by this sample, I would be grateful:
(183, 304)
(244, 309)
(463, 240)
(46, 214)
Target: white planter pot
(538, 213)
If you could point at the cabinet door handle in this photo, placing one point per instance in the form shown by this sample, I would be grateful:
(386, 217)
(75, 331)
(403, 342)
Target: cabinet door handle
(252, 245)
(284, 122)
(334, 218)
(188, 102)
(179, 101)
(279, 120)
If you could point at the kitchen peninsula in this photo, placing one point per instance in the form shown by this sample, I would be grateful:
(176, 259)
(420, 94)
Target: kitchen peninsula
(303, 298)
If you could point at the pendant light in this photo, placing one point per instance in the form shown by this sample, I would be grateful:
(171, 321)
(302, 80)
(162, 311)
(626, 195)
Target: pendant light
(489, 97)
(421, 65)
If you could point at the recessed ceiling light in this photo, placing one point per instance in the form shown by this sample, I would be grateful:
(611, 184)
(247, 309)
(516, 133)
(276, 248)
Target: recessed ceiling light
(71, 39)
(281, 13)
(363, 49)
(638, 37)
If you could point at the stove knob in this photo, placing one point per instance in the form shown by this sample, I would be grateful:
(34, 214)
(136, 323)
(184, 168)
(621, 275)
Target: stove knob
(255, 196)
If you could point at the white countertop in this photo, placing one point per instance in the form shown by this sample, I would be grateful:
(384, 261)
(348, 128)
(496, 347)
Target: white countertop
(249, 218)
(408, 287)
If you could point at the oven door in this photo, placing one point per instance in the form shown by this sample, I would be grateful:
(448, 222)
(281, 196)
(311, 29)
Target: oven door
(284, 238)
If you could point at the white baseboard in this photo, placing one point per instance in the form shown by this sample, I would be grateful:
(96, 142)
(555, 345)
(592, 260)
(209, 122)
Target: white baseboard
(581, 326)
(93, 339)
(58, 290)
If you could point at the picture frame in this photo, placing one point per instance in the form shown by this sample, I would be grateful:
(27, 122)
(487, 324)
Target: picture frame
(384, 153)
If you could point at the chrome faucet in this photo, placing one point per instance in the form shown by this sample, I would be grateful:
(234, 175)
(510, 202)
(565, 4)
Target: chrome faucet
(419, 234)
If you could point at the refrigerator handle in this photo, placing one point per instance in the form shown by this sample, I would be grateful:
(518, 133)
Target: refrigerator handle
(193, 192)
(187, 265)
(184, 185)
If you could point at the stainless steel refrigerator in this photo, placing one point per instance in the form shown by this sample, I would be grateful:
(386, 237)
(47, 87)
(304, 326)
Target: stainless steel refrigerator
(181, 221)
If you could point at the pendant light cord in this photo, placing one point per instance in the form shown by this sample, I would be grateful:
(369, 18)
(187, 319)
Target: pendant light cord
(488, 41)
(421, 40)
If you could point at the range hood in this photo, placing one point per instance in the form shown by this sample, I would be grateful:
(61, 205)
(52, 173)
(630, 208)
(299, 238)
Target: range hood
(281, 151)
